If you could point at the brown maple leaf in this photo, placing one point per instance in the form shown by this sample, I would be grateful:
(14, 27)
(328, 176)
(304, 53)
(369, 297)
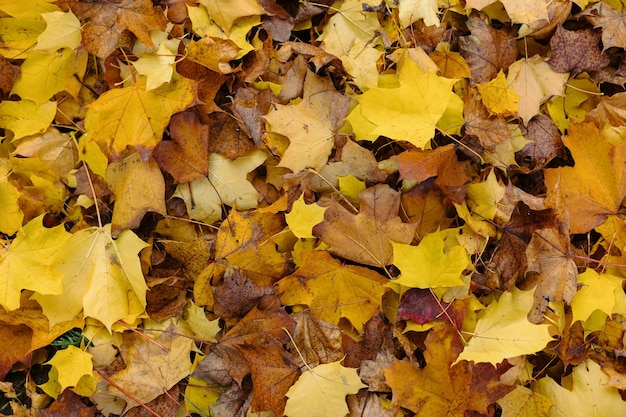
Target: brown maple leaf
(612, 22)
(487, 50)
(576, 51)
(366, 237)
(546, 144)
(110, 23)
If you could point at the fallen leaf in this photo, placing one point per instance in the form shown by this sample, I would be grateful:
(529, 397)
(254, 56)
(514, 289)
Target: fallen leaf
(25, 117)
(323, 390)
(503, 331)
(62, 31)
(132, 116)
(589, 393)
(405, 111)
(535, 82)
(303, 217)
(238, 294)
(102, 277)
(497, 96)
(154, 364)
(186, 156)
(311, 125)
(71, 367)
(546, 144)
(597, 292)
(612, 21)
(315, 341)
(225, 12)
(576, 51)
(139, 187)
(27, 263)
(332, 290)
(419, 164)
(437, 261)
(19, 350)
(522, 402)
(367, 236)
(487, 50)
(595, 186)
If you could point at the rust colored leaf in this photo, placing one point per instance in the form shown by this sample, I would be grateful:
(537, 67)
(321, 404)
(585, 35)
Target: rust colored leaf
(109, 23)
(366, 237)
(8, 75)
(317, 341)
(572, 347)
(576, 51)
(425, 206)
(487, 50)
(377, 339)
(208, 82)
(68, 404)
(19, 350)
(186, 156)
(421, 164)
(227, 138)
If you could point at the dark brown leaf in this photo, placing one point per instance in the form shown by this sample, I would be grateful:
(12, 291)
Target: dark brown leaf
(576, 51)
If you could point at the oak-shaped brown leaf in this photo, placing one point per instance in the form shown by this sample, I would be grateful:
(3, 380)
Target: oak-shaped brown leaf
(422, 306)
(487, 50)
(509, 259)
(439, 389)
(366, 237)
(594, 188)
(612, 22)
(150, 370)
(333, 290)
(247, 239)
(421, 164)
(546, 144)
(109, 23)
(576, 51)
(186, 156)
(549, 257)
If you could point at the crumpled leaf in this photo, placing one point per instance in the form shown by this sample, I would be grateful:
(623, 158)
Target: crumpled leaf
(27, 262)
(311, 125)
(333, 290)
(613, 24)
(132, 116)
(503, 330)
(322, 391)
(367, 236)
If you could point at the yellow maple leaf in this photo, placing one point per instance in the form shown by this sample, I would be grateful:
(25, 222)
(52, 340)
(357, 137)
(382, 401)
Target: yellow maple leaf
(503, 330)
(226, 12)
(590, 393)
(62, 31)
(497, 96)
(522, 402)
(11, 216)
(139, 187)
(102, 277)
(227, 184)
(409, 111)
(25, 117)
(26, 263)
(321, 391)
(132, 116)
(71, 367)
(334, 290)
(410, 11)
(433, 263)
(311, 125)
(598, 292)
(303, 217)
(158, 67)
(19, 35)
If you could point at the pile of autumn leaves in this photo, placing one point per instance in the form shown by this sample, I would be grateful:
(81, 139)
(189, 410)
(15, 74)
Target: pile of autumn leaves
(420, 209)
